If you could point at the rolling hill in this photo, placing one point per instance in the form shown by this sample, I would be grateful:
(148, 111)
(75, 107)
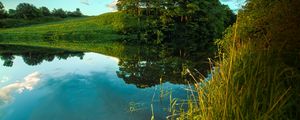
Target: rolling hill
(102, 28)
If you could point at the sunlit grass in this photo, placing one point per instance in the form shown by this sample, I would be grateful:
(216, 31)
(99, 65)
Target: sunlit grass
(257, 74)
(249, 84)
(106, 27)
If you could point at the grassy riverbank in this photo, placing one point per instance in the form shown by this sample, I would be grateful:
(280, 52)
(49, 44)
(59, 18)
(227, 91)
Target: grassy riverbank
(257, 73)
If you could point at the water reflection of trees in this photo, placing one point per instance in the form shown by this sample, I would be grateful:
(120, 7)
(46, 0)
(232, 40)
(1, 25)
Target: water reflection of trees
(7, 58)
(38, 58)
(33, 55)
(148, 69)
(143, 67)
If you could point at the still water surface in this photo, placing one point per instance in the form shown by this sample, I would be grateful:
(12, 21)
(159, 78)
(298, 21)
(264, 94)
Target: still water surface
(64, 85)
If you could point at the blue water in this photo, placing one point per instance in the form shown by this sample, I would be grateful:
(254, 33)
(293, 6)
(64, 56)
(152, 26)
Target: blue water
(78, 89)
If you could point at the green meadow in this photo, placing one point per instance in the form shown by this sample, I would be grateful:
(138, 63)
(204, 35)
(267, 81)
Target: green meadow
(100, 29)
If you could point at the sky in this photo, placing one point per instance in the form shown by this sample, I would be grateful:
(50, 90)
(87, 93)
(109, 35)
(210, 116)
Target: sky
(234, 4)
(89, 7)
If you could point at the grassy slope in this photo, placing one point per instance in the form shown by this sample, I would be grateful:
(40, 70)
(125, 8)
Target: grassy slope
(95, 34)
(105, 27)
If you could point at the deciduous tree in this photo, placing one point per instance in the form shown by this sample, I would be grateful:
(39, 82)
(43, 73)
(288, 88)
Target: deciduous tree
(27, 11)
(44, 11)
(59, 13)
(3, 13)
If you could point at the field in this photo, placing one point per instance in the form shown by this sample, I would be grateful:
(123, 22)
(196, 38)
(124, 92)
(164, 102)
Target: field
(104, 28)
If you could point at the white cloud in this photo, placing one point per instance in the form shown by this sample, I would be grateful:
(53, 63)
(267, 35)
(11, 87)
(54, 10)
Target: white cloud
(113, 5)
(4, 79)
(117, 60)
(29, 82)
(86, 2)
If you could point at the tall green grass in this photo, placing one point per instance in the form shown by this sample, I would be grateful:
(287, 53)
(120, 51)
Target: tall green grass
(247, 85)
(257, 74)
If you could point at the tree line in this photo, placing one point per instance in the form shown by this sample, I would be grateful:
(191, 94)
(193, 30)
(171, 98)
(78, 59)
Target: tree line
(185, 26)
(29, 11)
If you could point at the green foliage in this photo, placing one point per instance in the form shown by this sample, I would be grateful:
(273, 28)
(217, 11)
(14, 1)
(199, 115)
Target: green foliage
(27, 11)
(257, 75)
(11, 13)
(76, 13)
(63, 14)
(230, 16)
(185, 26)
(3, 13)
(44, 11)
(59, 13)
(246, 85)
(129, 6)
(1, 6)
(11, 22)
(28, 14)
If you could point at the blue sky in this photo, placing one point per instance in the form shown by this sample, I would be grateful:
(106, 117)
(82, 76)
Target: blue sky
(234, 4)
(87, 7)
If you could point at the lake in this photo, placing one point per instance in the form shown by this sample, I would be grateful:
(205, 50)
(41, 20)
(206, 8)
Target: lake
(55, 84)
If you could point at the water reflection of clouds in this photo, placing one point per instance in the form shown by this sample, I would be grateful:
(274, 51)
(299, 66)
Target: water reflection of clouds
(117, 60)
(55, 72)
(4, 79)
(29, 82)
